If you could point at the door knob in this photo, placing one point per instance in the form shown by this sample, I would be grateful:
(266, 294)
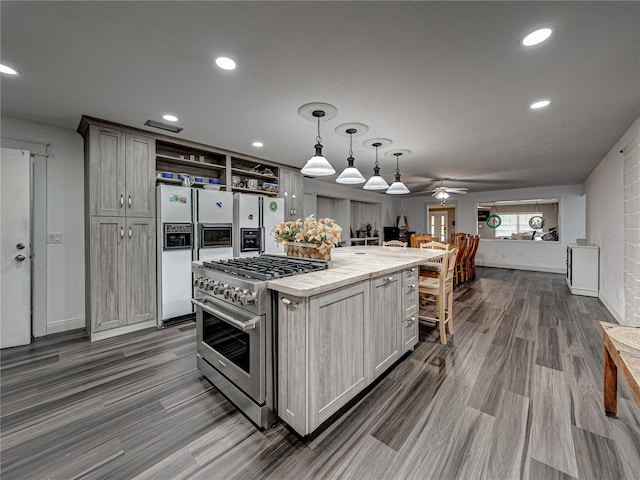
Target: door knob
(20, 258)
(20, 246)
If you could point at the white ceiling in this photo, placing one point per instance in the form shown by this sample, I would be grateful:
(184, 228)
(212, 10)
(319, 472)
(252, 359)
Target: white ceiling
(447, 80)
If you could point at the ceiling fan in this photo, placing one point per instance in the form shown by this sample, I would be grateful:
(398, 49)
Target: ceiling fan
(442, 192)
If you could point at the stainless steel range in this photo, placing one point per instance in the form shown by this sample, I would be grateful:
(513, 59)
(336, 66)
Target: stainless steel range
(236, 329)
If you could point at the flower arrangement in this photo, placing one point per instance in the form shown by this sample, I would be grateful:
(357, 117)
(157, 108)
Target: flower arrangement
(322, 234)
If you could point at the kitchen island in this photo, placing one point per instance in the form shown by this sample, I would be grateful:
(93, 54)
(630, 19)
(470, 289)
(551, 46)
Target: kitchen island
(339, 329)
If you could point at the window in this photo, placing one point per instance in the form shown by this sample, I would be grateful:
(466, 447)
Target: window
(518, 219)
(515, 223)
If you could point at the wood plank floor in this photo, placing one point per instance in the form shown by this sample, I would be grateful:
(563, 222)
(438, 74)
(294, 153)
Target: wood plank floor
(516, 393)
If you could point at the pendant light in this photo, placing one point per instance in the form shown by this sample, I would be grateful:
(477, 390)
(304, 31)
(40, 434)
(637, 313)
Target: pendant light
(350, 175)
(397, 187)
(376, 182)
(318, 166)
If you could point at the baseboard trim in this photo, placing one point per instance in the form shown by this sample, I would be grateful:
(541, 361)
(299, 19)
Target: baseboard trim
(65, 325)
(530, 268)
(115, 332)
(612, 310)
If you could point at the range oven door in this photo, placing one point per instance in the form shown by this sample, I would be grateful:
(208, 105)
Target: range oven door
(232, 340)
(215, 235)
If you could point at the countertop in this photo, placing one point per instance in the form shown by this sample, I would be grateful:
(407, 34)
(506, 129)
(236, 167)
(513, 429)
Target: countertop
(351, 265)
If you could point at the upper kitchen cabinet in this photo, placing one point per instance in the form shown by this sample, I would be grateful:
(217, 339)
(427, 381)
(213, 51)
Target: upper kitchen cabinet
(291, 189)
(121, 173)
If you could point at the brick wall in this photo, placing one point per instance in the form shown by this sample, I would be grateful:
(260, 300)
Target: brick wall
(632, 231)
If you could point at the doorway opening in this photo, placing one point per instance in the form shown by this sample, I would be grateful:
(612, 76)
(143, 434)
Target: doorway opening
(441, 221)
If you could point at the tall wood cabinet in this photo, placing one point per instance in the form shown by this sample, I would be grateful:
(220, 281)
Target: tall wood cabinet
(291, 188)
(120, 230)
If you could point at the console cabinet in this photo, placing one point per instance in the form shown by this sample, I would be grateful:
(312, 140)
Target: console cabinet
(583, 269)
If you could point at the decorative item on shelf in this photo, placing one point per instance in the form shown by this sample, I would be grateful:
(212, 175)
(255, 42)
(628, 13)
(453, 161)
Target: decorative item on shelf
(351, 175)
(397, 187)
(318, 166)
(270, 187)
(376, 182)
(313, 238)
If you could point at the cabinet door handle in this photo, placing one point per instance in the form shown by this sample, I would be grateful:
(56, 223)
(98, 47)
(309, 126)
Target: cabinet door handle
(121, 233)
(412, 286)
(390, 279)
(129, 201)
(130, 232)
(413, 269)
(121, 201)
(286, 301)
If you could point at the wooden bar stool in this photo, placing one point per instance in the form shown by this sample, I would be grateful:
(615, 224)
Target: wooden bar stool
(441, 289)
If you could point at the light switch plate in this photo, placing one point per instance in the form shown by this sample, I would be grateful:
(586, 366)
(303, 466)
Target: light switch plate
(54, 237)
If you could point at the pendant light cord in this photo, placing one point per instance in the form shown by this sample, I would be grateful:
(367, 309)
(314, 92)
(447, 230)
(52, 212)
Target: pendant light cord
(377, 156)
(351, 145)
(318, 137)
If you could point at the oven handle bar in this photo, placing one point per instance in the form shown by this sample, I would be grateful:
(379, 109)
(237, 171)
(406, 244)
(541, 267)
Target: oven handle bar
(251, 324)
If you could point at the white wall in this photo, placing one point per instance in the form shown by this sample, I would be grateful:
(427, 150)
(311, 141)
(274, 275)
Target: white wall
(605, 222)
(389, 205)
(64, 213)
(518, 254)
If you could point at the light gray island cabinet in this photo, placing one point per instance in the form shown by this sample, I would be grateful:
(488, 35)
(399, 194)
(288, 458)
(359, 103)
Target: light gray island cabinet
(338, 330)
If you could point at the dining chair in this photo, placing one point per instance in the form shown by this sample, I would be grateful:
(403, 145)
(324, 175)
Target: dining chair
(395, 244)
(439, 291)
(469, 259)
(417, 238)
(459, 263)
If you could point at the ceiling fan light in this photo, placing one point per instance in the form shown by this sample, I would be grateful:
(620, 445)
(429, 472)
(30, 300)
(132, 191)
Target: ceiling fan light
(398, 188)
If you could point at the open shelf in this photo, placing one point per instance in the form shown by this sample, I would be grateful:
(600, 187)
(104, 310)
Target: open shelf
(189, 163)
(240, 171)
(260, 192)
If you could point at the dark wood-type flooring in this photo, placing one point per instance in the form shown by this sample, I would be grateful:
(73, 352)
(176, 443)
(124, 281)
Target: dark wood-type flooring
(517, 393)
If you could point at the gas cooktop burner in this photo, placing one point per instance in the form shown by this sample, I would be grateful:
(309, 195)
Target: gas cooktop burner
(266, 267)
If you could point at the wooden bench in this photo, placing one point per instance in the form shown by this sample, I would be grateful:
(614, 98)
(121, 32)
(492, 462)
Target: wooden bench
(621, 353)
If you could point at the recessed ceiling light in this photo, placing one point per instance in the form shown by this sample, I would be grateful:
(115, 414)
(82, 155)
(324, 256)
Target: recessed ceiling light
(534, 38)
(225, 63)
(539, 104)
(258, 144)
(7, 70)
(170, 118)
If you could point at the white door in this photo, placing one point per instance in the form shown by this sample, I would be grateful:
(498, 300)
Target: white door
(438, 225)
(15, 233)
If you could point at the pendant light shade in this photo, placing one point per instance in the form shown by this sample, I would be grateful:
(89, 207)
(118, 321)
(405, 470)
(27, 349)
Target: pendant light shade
(350, 175)
(318, 166)
(376, 182)
(397, 187)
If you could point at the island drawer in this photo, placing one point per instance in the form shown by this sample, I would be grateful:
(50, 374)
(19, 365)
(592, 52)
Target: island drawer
(409, 332)
(409, 276)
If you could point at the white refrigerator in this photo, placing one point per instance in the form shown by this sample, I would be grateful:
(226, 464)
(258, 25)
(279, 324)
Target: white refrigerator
(272, 214)
(175, 252)
(213, 213)
(253, 218)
